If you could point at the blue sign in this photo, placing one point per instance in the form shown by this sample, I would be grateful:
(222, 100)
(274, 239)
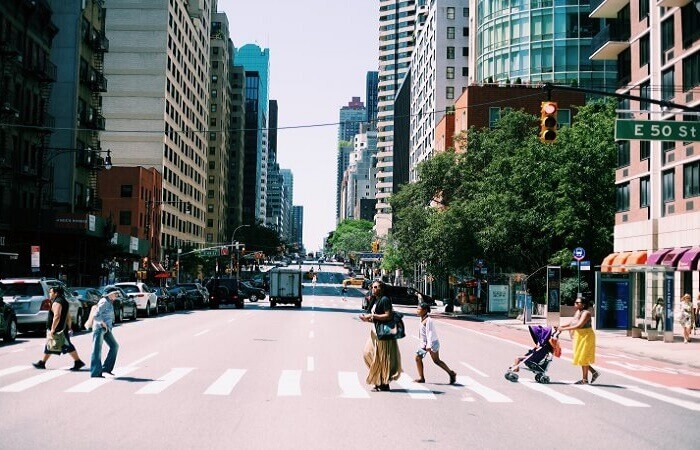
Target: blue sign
(579, 253)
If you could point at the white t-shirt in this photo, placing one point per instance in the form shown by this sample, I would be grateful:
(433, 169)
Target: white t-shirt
(428, 335)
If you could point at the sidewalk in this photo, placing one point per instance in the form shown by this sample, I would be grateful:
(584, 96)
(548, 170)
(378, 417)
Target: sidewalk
(675, 352)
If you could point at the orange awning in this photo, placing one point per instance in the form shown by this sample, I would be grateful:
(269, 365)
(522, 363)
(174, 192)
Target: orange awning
(605, 266)
(619, 262)
(637, 258)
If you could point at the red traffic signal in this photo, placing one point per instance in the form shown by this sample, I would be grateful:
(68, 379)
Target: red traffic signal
(548, 122)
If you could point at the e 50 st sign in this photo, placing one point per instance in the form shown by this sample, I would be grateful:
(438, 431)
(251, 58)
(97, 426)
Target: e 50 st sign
(657, 130)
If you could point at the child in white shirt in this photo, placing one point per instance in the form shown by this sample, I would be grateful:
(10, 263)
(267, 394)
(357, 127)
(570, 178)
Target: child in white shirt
(429, 344)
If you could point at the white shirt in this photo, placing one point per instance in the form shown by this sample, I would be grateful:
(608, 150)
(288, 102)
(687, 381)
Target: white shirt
(428, 335)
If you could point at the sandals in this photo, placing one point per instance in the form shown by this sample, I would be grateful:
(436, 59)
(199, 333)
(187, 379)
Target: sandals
(419, 380)
(453, 377)
(594, 376)
(581, 382)
(381, 388)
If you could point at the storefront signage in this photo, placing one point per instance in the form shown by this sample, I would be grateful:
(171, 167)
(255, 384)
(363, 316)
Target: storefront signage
(498, 297)
(71, 221)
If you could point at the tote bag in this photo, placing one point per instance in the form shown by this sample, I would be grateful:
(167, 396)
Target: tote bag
(392, 329)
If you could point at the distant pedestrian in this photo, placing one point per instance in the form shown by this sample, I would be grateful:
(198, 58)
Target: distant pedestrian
(686, 317)
(697, 314)
(658, 313)
(102, 331)
(429, 343)
(58, 325)
(584, 340)
(313, 280)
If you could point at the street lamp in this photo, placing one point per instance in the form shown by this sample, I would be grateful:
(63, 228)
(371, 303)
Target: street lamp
(238, 256)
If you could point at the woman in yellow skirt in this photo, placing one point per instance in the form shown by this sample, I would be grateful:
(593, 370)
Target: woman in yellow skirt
(584, 340)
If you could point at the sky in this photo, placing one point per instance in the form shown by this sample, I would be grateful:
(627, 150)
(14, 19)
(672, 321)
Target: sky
(320, 52)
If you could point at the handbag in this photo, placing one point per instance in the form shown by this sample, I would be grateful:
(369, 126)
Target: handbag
(55, 343)
(392, 329)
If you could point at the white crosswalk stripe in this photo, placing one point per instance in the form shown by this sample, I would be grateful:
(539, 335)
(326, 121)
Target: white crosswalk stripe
(94, 383)
(561, 398)
(289, 383)
(11, 370)
(350, 385)
(600, 392)
(415, 390)
(161, 384)
(226, 382)
(35, 380)
(665, 398)
(487, 393)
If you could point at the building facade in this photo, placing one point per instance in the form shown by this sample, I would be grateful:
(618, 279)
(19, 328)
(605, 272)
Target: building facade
(236, 147)
(298, 227)
(288, 199)
(371, 96)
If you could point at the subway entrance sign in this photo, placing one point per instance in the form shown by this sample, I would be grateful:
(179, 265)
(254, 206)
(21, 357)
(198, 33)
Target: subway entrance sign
(657, 130)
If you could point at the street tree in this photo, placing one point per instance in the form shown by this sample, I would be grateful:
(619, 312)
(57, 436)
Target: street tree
(352, 235)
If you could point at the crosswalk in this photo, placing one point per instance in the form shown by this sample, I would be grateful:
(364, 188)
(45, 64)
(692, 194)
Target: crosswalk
(348, 385)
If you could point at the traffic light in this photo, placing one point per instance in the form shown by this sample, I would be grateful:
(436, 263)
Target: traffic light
(548, 122)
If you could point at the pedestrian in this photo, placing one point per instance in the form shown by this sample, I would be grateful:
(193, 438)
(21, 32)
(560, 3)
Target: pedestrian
(686, 317)
(313, 280)
(584, 340)
(102, 331)
(345, 291)
(427, 334)
(697, 314)
(58, 325)
(382, 357)
(658, 313)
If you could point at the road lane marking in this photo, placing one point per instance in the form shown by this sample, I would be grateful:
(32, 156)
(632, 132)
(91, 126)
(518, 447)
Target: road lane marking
(309, 363)
(665, 398)
(11, 370)
(162, 383)
(139, 361)
(561, 398)
(610, 396)
(201, 333)
(225, 383)
(23, 385)
(93, 383)
(289, 384)
(685, 391)
(350, 385)
(415, 390)
(470, 367)
(311, 334)
(489, 394)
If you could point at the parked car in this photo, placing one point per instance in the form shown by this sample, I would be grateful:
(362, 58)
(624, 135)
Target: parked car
(29, 297)
(146, 300)
(88, 297)
(200, 295)
(181, 296)
(357, 280)
(124, 306)
(401, 295)
(250, 292)
(8, 322)
(224, 291)
(166, 303)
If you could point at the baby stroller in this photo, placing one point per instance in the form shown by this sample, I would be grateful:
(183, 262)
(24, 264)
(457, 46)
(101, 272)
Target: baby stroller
(537, 359)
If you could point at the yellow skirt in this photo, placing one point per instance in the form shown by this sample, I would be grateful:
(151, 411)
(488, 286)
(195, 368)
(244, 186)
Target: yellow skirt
(584, 347)
(383, 359)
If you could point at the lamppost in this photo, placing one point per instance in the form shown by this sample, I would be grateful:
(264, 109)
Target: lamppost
(238, 255)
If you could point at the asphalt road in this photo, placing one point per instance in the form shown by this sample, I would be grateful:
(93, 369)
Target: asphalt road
(288, 379)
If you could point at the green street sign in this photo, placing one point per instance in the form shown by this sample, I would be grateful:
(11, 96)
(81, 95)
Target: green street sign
(210, 252)
(657, 130)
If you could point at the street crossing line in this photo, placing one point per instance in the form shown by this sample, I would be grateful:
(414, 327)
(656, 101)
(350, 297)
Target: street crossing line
(415, 390)
(35, 380)
(139, 361)
(93, 383)
(225, 383)
(161, 384)
(611, 396)
(350, 385)
(685, 391)
(11, 370)
(561, 398)
(665, 398)
(486, 392)
(470, 367)
(289, 384)
(201, 333)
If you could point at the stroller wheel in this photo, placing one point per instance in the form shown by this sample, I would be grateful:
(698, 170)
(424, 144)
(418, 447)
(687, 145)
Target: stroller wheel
(511, 376)
(538, 378)
(544, 379)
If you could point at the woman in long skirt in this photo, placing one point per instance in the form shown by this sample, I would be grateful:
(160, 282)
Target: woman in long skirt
(382, 357)
(584, 340)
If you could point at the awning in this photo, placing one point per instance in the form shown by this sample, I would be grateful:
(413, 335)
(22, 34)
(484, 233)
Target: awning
(163, 275)
(606, 265)
(637, 258)
(689, 260)
(672, 257)
(619, 262)
(655, 258)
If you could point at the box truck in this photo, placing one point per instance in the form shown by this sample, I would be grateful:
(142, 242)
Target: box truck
(285, 287)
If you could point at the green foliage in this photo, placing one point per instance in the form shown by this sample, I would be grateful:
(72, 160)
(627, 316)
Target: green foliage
(352, 236)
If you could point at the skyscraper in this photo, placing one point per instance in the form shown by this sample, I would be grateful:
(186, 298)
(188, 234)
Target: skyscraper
(350, 118)
(298, 227)
(371, 91)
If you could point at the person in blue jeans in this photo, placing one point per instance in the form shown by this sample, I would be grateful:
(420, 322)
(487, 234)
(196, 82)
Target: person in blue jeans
(102, 331)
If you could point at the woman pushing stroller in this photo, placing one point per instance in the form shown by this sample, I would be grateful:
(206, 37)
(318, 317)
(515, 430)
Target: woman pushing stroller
(584, 340)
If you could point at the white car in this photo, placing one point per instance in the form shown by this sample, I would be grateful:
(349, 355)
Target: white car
(145, 297)
(29, 297)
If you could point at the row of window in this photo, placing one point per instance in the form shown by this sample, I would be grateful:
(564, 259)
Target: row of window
(691, 187)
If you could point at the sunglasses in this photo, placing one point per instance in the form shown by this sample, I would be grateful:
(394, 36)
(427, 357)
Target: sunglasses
(577, 303)
(375, 287)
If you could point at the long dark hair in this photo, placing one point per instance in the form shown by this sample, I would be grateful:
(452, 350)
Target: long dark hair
(58, 290)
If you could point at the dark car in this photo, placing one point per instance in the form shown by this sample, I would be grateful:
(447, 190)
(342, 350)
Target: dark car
(199, 293)
(165, 302)
(250, 292)
(124, 306)
(8, 322)
(182, 297)
(402, 295)
(88, 297)
(224, 291)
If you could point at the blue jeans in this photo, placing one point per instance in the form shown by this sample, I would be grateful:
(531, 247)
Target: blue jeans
(96, 366)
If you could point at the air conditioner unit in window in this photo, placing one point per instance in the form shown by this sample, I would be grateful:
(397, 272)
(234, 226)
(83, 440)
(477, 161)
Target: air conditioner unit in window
(668, 55)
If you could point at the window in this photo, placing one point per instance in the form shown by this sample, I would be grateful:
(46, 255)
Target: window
(450, 32)
(212, 150)
(465, 31)
(644, 50)
(215, 64)
(691, 71)
(210, 193)
(690, 24)
(645, 92)
(465, 12)
(450, 73)
(215, 50)
(465, 73)
(564, 117)
(643, 9)
(212, 122)
(465, 51)
(622, 197)
(668, 179)
(212, 165)
(212, 178)
(644, 192)
(210, 237)
(450, 53)
(214, 78)
(494, 116)
(667, 87)
(450, 12)
(623, 153)
(210, 208)
(691, 179)
(644, 150)
(125, 218)
(127, 190)
(449, 92)
(214, 93)
(214, 106)
(210, 223)
(667, 34)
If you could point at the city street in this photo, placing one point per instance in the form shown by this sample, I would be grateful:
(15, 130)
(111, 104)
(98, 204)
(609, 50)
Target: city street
(288, 378)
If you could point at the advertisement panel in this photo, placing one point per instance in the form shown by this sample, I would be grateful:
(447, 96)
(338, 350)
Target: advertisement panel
(498, 297)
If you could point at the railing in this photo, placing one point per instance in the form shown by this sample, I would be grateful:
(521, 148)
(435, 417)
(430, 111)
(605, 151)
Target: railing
(612, 32)
(45, 70)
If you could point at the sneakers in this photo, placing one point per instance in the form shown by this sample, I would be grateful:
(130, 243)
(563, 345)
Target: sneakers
(39, 365)
(453, 377)
(77, 365)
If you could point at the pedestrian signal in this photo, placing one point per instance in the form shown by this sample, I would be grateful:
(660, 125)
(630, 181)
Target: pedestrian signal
(548, 122)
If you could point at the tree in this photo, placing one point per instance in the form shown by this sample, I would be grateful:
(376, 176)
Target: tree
(352, 236)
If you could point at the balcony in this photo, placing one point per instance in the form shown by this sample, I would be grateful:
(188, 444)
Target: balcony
(606, 9)
(98, 41)
(610, 41)
(97, 82)
(672, 3)
(94, 121)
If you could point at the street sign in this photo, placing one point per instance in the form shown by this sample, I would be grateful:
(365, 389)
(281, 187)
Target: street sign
(584, 265)
(657, 130)
(579, 253)
(210, 252)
